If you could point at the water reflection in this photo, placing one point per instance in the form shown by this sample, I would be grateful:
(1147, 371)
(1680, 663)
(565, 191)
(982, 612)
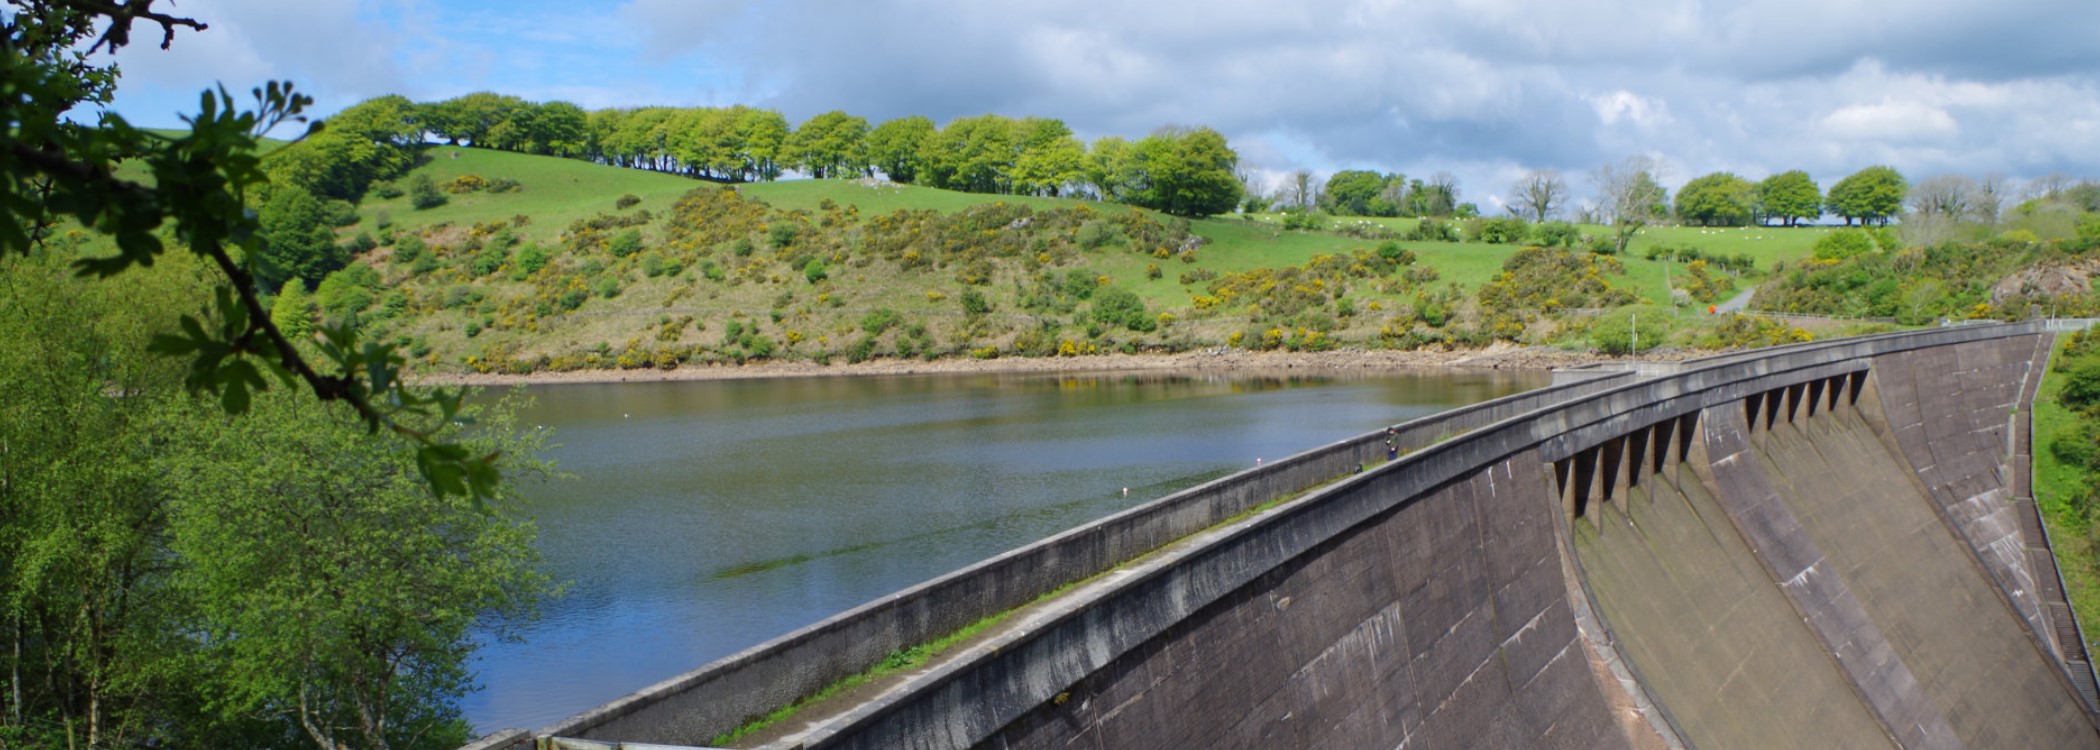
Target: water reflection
(707, 517)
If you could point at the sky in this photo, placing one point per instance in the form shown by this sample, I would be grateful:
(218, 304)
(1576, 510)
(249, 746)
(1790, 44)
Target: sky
(1484, 89)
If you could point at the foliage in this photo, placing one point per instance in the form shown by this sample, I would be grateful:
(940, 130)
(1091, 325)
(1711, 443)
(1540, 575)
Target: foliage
(1630, 330)
(1184, 172)
(1500, 230)
(333, 592)
(202, 183)
(1791, 197)
(1843, 244)
(1917, 285)
(894, 146)
(1739, 331)
(1720, 199)
(1353, 192)
(179, 577)
(1874, 194)
(293, 311)
(1539, 279)
(832, 144)
(297, 242)
(1558, 234)
(1118, 306)
(2082, 386)
(1704, 285)
(424, 194)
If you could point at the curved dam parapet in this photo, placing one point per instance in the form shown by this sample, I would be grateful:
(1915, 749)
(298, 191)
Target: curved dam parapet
(1822, 545)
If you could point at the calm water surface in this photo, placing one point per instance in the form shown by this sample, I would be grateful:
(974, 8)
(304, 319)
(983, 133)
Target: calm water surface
(707, 517)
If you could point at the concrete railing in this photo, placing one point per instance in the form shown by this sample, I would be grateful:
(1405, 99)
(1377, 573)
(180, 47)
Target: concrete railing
(723, 695)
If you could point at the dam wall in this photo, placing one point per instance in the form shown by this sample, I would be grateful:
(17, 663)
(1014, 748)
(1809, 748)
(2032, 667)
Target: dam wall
(716, 698)
(1820, 545)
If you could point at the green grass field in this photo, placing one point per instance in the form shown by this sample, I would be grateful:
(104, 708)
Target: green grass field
(2054, 485)
(559, 191)
(556, 192)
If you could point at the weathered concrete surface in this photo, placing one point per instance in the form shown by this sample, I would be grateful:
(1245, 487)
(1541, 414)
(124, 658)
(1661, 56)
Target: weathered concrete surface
(1698, 615)
(1439, 624)
(1950, 411)
(1761, 550)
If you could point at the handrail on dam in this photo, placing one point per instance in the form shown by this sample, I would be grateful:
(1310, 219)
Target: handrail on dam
(993, 684)
(721, 696)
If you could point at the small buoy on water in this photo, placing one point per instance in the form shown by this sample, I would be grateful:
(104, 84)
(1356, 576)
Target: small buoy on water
(1126, 492)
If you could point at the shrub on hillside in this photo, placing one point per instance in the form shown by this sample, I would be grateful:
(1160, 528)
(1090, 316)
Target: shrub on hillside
(1115, 305)
(1501, 230)
(1620, 331)
(1433, 230)
(2082, 386)
(879, 320)
(424, 194)
(1558, 234)
(625, 243)
(1842, 244)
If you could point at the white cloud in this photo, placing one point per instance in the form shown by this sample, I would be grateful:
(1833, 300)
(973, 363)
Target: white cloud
(1482, 88)
(1633, 108)
(1897, 121)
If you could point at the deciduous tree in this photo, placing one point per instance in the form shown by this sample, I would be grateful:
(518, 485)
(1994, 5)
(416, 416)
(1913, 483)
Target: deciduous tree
(894, 147)
(1720, 199)
(1628, 197)
(1791, 197)
(1185, 172)
(1538, 194)
(1873, 194)
(833, 144)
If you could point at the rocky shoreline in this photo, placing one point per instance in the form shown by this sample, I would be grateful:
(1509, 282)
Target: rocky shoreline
(1502, 357)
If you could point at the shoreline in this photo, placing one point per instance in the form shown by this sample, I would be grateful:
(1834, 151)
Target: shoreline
(1491, 358)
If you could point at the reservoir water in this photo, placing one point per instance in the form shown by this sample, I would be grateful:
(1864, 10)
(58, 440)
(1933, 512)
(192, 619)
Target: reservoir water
(707, 517)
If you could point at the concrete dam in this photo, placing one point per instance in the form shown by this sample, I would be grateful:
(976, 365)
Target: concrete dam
(1821, 545)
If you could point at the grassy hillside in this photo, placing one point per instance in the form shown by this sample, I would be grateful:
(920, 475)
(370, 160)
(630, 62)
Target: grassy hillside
(540, 275)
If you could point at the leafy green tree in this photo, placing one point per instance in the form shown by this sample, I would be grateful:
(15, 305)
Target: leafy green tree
(971, 154)
(1049, 159)
(1873, 194)
(1349, 192)
(704, 142)
(82, 599)
(335, 594)
(1791, 197)
(833, 144)
(1436, 197)
(1185, 172)
(557, 129)
(1720, 199)
(297, 242)
(293, 311)
(57, 170)
(894, 147)
(1109, 167)
(763, 135)
(469, 119)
